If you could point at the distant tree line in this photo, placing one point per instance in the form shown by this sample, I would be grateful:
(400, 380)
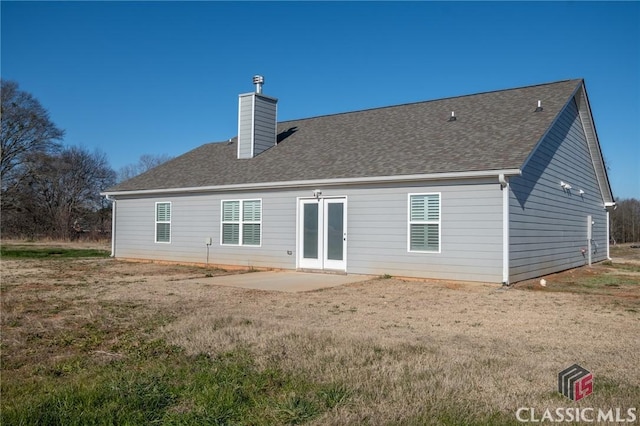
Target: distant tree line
(625, 221)
(49, 190)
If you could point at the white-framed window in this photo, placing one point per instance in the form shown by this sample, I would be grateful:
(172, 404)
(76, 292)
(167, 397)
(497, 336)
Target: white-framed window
(424, 223)
(241, 222)
(163, 222)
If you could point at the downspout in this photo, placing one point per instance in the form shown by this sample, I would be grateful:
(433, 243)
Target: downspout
(608, 236)
(504, 187)
(113, 225)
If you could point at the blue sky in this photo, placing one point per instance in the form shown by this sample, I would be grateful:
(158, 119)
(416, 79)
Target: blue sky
(133, 78)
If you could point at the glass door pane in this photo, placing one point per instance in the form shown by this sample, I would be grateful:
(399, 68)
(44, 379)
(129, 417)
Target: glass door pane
(335, 231)
(310, 232)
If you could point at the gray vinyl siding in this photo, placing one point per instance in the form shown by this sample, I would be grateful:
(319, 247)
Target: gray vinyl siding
(196, 218)
(377, 227)
(548, 225)
(256, 124)
(265, 124)
(245, 125)
(471, 233)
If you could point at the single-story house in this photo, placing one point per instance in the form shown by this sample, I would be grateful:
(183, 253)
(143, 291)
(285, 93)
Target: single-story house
(495, 187)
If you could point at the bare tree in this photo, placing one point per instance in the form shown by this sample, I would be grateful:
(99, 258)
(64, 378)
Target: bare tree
(46, 190)
(625, 221)
(145, 163)
(58, 195)
(26, 129)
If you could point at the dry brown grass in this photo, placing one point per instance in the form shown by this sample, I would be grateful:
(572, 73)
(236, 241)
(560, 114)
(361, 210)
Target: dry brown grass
(625, 253)
(407, 351)
(414, 346)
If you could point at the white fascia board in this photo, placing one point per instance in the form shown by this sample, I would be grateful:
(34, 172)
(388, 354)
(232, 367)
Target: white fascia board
(323, 182)
(593, 144)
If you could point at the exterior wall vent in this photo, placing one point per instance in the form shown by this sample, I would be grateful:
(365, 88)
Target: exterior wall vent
(257, 118)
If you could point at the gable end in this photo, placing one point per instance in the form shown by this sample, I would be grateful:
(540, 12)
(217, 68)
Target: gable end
(579, 97)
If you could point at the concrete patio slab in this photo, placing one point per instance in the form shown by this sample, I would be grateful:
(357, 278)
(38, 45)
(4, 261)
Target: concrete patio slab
(286, 281)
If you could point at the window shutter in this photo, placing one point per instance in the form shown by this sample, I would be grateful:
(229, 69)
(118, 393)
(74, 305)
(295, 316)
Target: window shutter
(425, 207)
(241, 222)
(432, 240)
(251, 234)
(230, 233)
(433, 207)
(417, 237)
(418, 207)
(251, 211)
(163, 212)
(163, 232)
(424, 222)
(163, 222)
(231, 211)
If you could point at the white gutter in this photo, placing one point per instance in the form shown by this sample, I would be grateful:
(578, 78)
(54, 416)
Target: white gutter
(322, 182)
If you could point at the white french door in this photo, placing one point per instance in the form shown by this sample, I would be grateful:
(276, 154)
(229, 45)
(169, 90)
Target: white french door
(322, 234)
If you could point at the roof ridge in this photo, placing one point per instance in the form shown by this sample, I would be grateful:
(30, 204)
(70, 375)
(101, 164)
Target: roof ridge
(430, 100)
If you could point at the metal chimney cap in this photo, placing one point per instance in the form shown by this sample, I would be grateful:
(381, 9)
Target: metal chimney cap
(258, 80)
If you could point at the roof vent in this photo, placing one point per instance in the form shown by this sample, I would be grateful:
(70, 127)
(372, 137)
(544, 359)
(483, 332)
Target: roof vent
(539, 108)
(453, 116)
(258, 80)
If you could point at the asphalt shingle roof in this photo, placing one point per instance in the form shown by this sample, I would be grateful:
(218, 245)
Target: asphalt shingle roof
(493, 131)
